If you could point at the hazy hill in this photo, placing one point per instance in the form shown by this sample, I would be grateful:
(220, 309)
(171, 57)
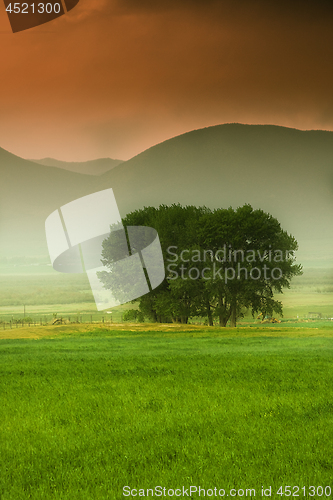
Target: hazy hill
(91, 167)
(28, 194)
(284, 171)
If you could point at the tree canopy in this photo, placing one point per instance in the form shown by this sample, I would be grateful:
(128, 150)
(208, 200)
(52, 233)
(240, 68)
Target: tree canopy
(218, 263)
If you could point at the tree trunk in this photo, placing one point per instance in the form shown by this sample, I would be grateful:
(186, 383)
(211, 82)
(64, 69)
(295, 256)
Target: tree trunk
(209, 315)
(154, 316)
(233, 308)
(223, 320)
(225, 315)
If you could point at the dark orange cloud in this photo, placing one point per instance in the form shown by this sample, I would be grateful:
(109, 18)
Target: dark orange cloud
(113, 78)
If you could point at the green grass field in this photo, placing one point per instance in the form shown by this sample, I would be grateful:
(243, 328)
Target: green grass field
(86, 411)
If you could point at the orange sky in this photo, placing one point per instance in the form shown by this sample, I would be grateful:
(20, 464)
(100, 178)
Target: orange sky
(113, 77)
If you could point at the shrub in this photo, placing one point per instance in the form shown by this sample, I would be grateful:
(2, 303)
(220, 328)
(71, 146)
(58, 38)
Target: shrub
(133, 315)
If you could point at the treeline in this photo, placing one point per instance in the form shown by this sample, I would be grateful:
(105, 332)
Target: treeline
(218, 263)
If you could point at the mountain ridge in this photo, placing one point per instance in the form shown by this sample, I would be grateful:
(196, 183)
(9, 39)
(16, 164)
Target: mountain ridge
(90, 167)
(284, 171)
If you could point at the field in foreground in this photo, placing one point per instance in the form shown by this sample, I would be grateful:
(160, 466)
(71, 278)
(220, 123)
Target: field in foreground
(86, 412)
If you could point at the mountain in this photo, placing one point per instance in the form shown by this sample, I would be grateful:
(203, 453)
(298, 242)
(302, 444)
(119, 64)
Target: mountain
(286, 172)
(28, 194)
(91, 167)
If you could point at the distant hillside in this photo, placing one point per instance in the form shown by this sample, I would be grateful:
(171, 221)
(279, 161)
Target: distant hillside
(286, 172)
(28, 194)
(91, 167)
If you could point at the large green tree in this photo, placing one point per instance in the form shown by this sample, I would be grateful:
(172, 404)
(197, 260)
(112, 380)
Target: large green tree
(218, 263)
(256, 258)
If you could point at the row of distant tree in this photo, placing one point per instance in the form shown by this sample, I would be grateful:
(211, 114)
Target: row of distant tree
(218, 263)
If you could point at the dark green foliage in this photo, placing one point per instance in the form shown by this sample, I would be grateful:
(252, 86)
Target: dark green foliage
(255, 248)
(218, 263)
(133, 315)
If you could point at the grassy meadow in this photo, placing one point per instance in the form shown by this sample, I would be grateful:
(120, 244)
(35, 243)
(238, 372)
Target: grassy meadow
(44, 296)
(87, 409)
